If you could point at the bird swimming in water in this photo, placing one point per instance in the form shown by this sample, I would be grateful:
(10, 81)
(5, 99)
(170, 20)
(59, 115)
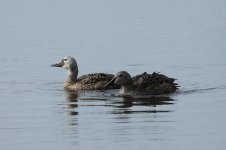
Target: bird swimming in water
(143, 84)
(95, 81)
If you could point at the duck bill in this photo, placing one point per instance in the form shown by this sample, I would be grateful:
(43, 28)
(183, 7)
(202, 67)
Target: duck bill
(60, 64)
(56, 65)
(110, 83)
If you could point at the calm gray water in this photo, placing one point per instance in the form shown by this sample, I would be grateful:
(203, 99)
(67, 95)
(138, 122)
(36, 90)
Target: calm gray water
(184, 39)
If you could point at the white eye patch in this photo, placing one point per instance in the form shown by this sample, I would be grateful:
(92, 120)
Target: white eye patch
(65, 59)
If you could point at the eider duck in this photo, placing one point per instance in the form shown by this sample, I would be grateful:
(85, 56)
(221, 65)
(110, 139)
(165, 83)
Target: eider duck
(143, 84)
(95, 81)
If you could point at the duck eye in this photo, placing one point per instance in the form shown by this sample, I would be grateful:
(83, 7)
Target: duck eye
(65, 59)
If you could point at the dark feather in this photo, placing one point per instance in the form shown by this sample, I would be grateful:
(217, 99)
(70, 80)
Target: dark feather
(155, 82)
(96, 81)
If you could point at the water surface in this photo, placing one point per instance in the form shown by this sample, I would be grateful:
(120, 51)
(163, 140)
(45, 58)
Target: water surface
(183, 39)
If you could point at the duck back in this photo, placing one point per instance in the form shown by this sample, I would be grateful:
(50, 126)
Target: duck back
(154, 83)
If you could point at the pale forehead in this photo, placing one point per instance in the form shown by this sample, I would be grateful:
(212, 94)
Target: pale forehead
(66, 57)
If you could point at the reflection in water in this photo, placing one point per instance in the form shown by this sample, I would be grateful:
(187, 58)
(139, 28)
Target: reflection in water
(150, 112)
(131, 105)
(71, 105)
(71, 130)
(121, 104)
(147, 108)
(127, 115)
(146, 101)
(128, 102)
(72, 98)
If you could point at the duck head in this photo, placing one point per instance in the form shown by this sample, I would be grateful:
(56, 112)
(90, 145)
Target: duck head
(68, 63)
(122, 78)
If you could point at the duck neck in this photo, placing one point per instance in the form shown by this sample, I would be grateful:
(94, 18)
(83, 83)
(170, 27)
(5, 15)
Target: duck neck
(72, 75)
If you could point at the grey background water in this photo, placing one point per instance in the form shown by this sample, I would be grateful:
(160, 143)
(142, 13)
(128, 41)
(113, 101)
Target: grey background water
(184, 39)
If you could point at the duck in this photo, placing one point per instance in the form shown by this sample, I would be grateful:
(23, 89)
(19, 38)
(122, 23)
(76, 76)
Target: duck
(94, 81)
(143, 84)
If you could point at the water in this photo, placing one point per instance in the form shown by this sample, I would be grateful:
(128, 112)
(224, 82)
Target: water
(182, 39)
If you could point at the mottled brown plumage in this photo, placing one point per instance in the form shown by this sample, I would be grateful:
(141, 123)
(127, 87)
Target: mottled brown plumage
(154, 83)
(95, 81)
(144, 84)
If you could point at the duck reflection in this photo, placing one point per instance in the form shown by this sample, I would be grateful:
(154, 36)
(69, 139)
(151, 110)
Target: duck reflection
(149, 115)
(125, 105)
(145, 101)
(70, 121)
(72, 98)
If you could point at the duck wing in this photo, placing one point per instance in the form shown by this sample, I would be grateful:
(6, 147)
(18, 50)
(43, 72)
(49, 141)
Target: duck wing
(95, 81)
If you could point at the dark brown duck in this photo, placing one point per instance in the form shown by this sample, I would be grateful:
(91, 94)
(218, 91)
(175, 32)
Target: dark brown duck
(144, 84)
